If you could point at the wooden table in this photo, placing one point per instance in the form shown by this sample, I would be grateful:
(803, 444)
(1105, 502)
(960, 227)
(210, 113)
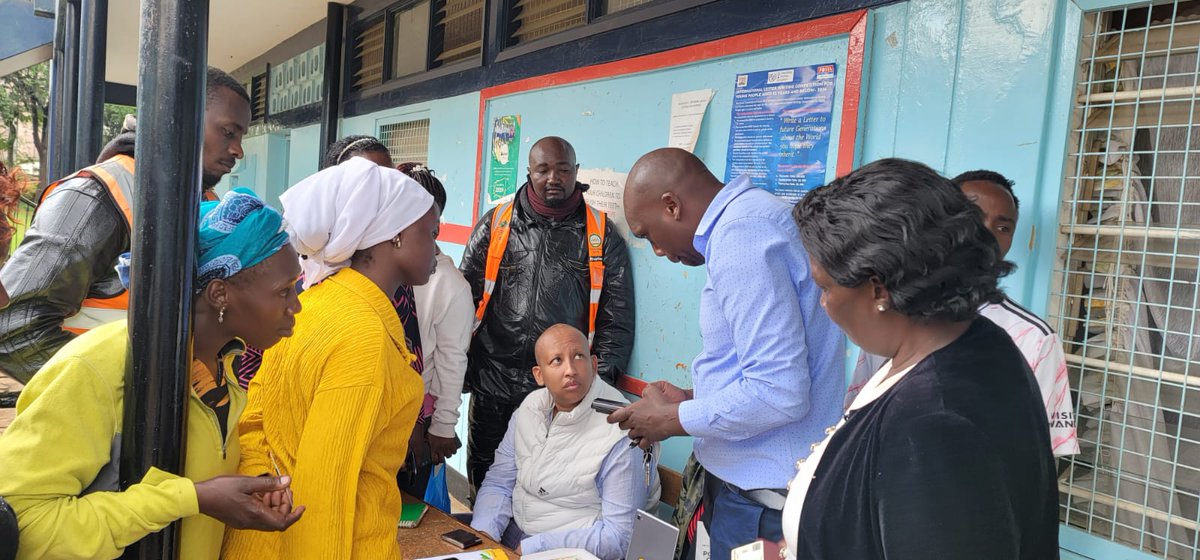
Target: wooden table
(425, 540)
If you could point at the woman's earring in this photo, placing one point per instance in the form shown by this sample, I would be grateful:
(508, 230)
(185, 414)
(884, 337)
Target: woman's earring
(221, 315)
(396, 242)
(881, 307)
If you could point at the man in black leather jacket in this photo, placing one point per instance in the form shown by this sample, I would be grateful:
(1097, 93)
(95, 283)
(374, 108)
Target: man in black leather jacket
(70, 250)
(543, 280)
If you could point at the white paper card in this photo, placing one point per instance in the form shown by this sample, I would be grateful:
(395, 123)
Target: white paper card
(687, 113)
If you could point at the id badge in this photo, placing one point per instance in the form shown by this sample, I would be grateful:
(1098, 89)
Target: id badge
(757, 550)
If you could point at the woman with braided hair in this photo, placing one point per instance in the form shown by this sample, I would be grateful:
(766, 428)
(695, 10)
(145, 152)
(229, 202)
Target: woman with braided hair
(359, 145)
(444, 314)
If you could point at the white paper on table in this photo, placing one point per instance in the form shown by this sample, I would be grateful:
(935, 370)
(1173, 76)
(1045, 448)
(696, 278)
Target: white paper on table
(687, 112)
(488, 554)
(561, 554)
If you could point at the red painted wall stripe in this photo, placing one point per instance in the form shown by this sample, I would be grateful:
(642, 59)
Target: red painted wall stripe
(631, 384)
(855, 53)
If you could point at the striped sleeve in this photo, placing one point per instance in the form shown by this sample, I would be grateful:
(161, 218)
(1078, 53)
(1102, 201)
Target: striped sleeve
(1050, 370)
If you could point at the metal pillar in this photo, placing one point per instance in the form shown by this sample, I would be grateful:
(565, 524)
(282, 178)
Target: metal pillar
(93, 44)
(331, 86)
(170, 96)
(64, 76)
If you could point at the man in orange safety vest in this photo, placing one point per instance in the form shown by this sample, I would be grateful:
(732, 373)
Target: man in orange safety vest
(62, 278)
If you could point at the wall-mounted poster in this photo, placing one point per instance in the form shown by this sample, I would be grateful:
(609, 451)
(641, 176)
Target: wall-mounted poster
(505, 148)
(780, 129)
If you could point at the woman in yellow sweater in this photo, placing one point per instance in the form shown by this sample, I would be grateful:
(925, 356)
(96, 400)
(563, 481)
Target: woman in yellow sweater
(58, 459)
(334, 405)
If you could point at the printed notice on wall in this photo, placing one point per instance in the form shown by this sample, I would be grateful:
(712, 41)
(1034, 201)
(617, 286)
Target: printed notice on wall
(502, 163)
(780, 129)
(687, 113)
(606, 192)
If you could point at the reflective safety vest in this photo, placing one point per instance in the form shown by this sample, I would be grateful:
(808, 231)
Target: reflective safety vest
(117, 176)
(501, 227)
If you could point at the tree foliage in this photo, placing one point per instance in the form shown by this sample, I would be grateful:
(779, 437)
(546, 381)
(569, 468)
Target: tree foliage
(114, 117)
(25, 98)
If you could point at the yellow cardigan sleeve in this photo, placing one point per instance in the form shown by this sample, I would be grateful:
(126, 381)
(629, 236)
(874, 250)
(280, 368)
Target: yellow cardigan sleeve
(253, 440)
(60, 439)
(343, 420)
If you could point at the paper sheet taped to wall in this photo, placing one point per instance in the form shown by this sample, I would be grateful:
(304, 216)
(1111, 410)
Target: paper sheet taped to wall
(687, 113)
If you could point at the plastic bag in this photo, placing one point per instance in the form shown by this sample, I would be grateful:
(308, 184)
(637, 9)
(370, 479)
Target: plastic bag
(437, 494)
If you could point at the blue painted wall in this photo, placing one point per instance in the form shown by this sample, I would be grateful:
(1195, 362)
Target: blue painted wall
(980, 84)
(304, 156)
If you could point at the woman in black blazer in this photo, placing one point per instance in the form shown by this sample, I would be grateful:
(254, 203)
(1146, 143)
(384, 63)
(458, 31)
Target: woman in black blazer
(945, 454)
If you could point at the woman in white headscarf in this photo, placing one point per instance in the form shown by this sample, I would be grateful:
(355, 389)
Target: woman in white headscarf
(334, 406)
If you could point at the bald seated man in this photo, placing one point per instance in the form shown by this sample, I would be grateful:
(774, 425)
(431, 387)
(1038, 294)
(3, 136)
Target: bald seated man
(769, 379)
(544, 278)
(563, 476)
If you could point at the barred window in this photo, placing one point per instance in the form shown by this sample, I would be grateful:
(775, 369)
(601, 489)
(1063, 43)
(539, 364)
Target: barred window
(534, 19)
(367, 56)
(1125, 293)
(407, 141)
(458, 29)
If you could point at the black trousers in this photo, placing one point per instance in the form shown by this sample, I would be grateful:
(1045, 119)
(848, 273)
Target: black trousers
(487, 420)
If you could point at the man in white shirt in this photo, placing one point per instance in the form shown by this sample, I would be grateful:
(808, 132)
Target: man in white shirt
(563, 476)
(1042, 348)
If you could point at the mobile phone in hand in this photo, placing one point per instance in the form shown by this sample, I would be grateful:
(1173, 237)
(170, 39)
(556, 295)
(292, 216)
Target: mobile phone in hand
(461, 538)
(607, 406)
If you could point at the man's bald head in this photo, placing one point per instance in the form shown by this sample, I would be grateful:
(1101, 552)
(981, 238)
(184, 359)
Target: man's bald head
(551, 145)
(555, 335)
(668, 170)
(552, 170)
(666, 194)
(565, 365)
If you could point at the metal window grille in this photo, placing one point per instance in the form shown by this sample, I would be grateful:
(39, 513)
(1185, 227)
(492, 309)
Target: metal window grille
(407, 141)
(613, 6)
(1125, 293)
(258, 97)
(534, 19)
(459, 25)
(368, 55)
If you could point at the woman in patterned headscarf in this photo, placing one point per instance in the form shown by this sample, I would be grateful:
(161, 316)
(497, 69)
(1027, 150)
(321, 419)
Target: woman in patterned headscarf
(59, 458)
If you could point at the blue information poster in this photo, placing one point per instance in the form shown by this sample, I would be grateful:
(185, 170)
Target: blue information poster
(779, 135)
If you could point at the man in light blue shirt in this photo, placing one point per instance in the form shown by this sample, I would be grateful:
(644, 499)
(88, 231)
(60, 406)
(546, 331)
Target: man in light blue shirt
(563, 477)
(769, 380)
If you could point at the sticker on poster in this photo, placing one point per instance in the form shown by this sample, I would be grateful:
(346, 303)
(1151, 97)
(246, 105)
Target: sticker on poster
(780, 128)
(504, 149)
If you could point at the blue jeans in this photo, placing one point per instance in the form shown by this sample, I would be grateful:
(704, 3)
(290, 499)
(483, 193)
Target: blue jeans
(737, 520)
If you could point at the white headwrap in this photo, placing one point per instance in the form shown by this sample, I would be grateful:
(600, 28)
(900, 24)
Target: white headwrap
(346, 208)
